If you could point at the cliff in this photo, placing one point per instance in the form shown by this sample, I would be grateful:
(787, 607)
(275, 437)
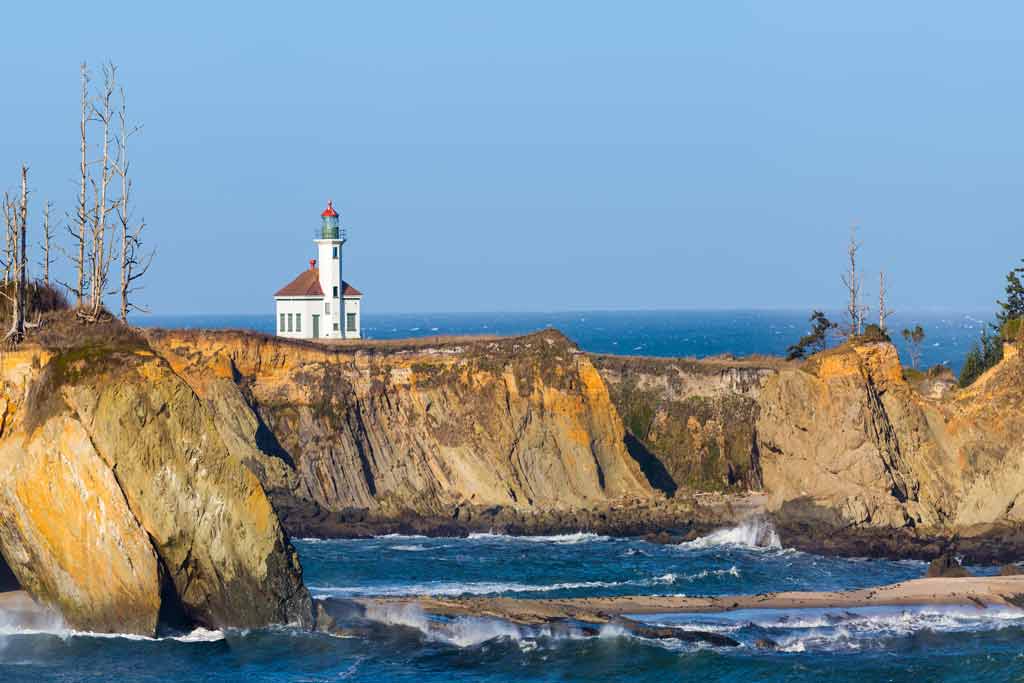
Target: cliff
(122, 507)
(692, 423)
(414, 429)
(149, 480)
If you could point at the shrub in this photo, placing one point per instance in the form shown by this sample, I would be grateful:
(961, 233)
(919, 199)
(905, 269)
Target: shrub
(985, 353)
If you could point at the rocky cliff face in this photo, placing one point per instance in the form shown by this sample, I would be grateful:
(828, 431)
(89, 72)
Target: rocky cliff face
(692, 423)
(415, 429)
(121, 505)
(847, 443)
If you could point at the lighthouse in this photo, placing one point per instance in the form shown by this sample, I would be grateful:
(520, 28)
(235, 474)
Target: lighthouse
(319, 304)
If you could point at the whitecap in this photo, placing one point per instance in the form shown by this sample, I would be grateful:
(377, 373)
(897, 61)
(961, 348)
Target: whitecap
(755, 532)
(560, 539)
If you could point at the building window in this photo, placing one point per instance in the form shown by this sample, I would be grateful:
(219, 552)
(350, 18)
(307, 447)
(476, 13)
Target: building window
(298, 322)
(350, 322)
(327, 307)
(282, 322)
(335, 291)
(335, 327)
(334, 253)
(289, 322)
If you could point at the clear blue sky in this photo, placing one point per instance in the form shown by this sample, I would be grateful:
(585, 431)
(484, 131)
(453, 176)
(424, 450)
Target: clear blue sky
(548, 155)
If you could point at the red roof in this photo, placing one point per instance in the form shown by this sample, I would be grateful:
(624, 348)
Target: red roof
(329, 212)
(308, 284)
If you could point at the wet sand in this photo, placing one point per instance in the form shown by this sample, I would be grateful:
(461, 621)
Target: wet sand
(980, 592)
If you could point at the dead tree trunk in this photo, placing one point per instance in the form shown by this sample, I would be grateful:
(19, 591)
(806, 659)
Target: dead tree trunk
(47, 239)
(883, 312)
(17, 331)
(134, 263)
(851, 280)
(98, 249)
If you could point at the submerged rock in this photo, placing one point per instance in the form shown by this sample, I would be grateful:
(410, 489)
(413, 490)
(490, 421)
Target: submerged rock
(946, 565)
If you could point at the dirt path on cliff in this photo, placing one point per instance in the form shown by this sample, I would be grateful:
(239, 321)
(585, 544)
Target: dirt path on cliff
(980, 592)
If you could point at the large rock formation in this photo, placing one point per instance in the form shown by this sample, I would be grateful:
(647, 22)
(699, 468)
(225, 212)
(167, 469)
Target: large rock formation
(691, 423)
(847, 443)
(415, 429)
(120, 502)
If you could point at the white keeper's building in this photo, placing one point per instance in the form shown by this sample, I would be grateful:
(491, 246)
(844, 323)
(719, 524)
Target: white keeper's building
(319, 304)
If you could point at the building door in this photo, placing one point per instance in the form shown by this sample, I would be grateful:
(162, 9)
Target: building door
(316, 326)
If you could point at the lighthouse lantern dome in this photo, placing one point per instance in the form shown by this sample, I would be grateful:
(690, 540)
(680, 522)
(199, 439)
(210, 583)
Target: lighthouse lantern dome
(330, 229)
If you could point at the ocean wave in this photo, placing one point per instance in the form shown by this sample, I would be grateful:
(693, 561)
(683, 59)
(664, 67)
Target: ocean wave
(409, 548)
(198, 635)
(559, 539)
(455, 589)
(755, 532)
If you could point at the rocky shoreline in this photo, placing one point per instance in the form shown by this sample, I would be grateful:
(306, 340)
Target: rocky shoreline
(182, 461)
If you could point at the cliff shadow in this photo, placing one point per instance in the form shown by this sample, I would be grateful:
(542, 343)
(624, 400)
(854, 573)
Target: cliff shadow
(8, 581)
(650, 465)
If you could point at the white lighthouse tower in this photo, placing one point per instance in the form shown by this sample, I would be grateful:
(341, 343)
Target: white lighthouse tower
(319, 303)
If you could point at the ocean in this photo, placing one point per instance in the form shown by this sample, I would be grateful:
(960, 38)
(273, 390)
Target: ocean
(913, 644)
(647, 333)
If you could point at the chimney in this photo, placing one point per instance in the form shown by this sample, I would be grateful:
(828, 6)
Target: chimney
(312, 264)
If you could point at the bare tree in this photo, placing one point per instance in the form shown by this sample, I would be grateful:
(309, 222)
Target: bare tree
(19, 265)
(855, 311)
(78, 226)
(98, 253)
(47, 241)
(11, 229)
(883, 312)
(134, 261)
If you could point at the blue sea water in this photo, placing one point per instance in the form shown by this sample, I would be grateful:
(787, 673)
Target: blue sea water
(913, 644)
(647, 333)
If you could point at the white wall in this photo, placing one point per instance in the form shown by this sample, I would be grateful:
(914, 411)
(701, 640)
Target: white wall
(353, 305)
(305, 308)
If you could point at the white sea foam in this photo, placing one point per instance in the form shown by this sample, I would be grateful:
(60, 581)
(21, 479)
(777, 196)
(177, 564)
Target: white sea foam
(755, 532)
(457, 588)
(465, 631)
(560, 539)
(409, 548)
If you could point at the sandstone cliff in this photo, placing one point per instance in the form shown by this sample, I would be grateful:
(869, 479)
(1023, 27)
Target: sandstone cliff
(691, 422)
(433, 429)
(120, 505)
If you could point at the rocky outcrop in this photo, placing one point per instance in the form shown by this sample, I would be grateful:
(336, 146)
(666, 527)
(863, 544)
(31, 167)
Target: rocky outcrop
(691, 423)
(846, 443)
(415, 429)
(120, 504)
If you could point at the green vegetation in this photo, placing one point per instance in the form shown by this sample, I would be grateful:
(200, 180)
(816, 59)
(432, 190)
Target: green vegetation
(914, 339)
(988, 350)
(873, 333)
(985, 353)
(814, 341)
(1013, 307)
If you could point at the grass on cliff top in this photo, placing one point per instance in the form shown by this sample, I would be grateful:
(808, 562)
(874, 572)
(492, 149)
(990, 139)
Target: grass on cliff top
(473, 342)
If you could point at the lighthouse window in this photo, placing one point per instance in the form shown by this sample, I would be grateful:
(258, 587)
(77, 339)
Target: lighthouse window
(334, 253)
(350, 322)
(327, 307)
(335, 291)
(282, 322)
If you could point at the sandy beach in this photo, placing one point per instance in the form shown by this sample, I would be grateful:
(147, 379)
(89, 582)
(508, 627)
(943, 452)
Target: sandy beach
(980, 592)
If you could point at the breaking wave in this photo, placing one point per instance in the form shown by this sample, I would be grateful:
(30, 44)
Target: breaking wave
(755, 532)
(560, 539)
(455, 589)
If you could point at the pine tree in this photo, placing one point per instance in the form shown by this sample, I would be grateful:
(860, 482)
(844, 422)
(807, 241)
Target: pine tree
(1013, 307)
(814, 341)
